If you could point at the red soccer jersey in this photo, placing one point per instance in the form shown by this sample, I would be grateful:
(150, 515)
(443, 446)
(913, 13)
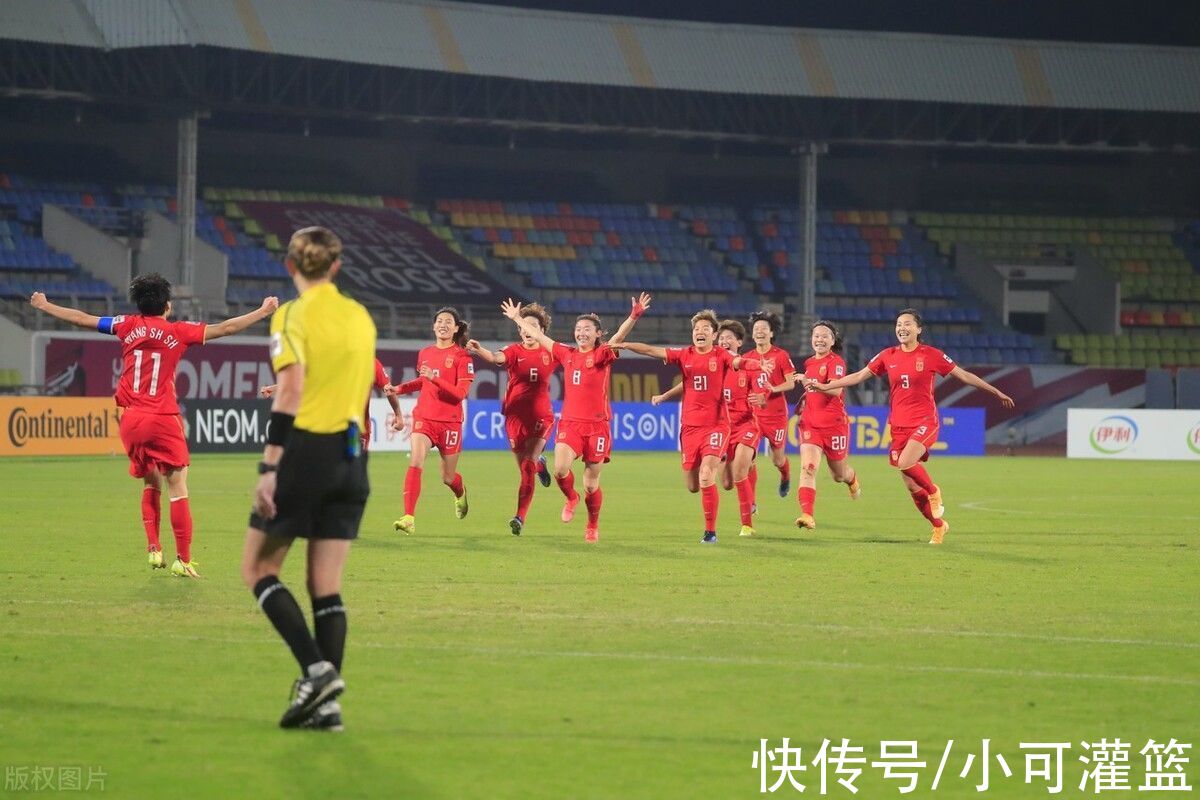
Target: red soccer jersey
(776, 366)
(452, 365)
(910, 376)
(703, 384)
(528, 392)
(381, 380)
(738, 384)
(585, 382)
(150, 351)
(824, 410)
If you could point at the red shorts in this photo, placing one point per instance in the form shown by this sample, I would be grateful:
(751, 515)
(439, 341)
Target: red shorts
(698, 442)
(774, 430)
(154, 442)
(592, 440)
(746, 434)
(521, 430)
(445, 436)
(835, 442)
(925, 434)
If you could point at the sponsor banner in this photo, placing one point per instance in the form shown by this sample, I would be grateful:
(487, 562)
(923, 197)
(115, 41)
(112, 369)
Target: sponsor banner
(1133, 433)
(60, 426)
(386, 255)
(961, 431)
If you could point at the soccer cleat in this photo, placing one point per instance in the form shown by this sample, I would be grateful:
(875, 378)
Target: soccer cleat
(328, 717)
(785, 486)
(515, 525)
(855, 489)
(935, 503)
(460, 505)
(747, 531)
(939, 533)
(184, 569)
(710, 537)
(568, 512)
(406, 524)
(309, 694)
(156, 560)
(591, 534)
(543, 471)
(806, 521)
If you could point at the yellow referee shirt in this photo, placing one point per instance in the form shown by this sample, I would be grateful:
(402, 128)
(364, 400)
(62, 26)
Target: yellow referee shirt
(333, 339)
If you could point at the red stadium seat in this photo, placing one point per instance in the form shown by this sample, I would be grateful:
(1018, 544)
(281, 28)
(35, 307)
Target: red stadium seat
(1172, 318)
(650, 254)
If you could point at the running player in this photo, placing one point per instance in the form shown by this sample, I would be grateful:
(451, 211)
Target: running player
(151, 428)
(704, 418)
(583, 430)
(769, 399)
(824, 428)
(446, 372)
(528, 416)
(910, 368)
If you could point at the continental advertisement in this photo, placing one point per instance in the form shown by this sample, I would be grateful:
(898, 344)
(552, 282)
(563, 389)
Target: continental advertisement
(60, 426)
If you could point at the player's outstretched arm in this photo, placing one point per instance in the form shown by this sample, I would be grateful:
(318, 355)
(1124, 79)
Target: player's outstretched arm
(74, 316)
(853, 379)
(495, 357)
(637, 306)
(670, 394)
(238, 324)
(971, 379)
(512, 309)
(654, 351)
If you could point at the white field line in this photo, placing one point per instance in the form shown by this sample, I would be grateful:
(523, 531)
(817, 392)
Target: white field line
(979, 506)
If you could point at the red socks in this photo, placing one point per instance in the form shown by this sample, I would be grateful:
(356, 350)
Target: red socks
(753, 478)
(567, 484)
(525, 490)
(710, 499)
(456, 485)
(785, 471)
(745, 494)
(921, 500)
(412, 489)
(808, 497)
(151, 516)
(920, 477)
(593, 500)
(181, 525)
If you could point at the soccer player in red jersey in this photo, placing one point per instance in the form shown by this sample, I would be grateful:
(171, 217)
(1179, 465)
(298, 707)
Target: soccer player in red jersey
(396, 423)
(910, 368)
(824, 428)
(446, 373)
(704, 418)
(769, 399)
(583, 430)
(151, 428)
(528, 416)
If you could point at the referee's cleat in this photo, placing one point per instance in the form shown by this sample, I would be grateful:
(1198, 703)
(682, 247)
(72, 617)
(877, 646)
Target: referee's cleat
(785, 486)
(156, 560)
(406, 524)
(806, 521)
(935, 503)
(939, 533)
(184, 569)
(328, 717)
(710, 537)
(747, 531)
(855, 489)
(543, 471)
(308, 694)
(515, 525)
(460, 505)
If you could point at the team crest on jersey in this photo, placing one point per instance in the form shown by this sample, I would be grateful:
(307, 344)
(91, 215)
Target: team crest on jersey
(768, 365)
(807, 435)
(545, 359)
(920, 364)
(712, 365)
(822, 370)
(741, 381)
(449, 362)
(590, 361)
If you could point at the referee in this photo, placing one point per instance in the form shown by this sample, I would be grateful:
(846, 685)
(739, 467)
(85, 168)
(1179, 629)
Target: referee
(313, 474)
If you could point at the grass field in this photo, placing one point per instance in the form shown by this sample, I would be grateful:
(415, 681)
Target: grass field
(1063, 607)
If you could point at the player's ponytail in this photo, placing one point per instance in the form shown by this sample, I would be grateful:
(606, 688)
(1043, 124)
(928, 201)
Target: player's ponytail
(313, 251)
(916, 315)
(462, 328)
(833, 329)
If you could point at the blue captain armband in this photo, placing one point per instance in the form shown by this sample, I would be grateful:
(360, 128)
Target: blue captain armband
(109, 324)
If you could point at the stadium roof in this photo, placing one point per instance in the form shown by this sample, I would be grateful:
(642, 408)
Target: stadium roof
(547, 46)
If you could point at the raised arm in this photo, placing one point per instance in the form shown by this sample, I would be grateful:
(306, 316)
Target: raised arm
(854, 379)
(476, 349)
(669, 394)
(512, 309)
(971, 379)
(654, 351)
(74, 316)
(238, 324)
(638, 306)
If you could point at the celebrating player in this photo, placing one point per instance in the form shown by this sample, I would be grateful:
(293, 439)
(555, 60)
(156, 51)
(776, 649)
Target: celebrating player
(824, 428)
(704, 429)
(583, 430)
(774, 382)
(528, 416)
(913, 416)
(446, 373)
(151, 428)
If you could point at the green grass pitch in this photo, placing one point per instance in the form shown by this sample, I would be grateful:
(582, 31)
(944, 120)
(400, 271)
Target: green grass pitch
(1063, 607)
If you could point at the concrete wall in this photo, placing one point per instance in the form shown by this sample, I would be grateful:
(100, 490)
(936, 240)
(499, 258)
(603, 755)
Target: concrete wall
(160, 253)
(15, 348)
(106, 257)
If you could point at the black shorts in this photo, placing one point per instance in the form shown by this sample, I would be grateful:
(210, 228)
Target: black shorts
(320, 492)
